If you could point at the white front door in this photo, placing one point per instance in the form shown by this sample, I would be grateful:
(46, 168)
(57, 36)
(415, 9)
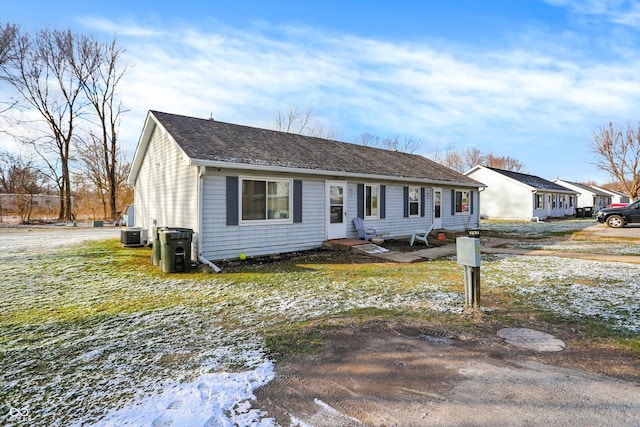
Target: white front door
(336, 198)
(437, 208)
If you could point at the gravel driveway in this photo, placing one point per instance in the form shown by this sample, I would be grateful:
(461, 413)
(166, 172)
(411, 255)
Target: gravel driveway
(23, 239)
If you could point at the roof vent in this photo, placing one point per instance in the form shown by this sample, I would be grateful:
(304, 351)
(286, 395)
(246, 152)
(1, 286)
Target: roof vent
(210, 116)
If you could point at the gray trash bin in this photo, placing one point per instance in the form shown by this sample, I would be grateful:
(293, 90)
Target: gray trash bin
(175, 249)
(588, 212)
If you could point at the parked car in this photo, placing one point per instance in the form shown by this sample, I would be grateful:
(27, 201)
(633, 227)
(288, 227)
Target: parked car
(620, 216)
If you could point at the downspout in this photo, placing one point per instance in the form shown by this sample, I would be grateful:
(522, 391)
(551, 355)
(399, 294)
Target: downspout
(480, 190)
(201, 258)
(535, 218)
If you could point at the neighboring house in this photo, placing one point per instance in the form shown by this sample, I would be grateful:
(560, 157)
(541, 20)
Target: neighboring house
(616, 196)
(515, 195)
(589, 197)
(258, 191)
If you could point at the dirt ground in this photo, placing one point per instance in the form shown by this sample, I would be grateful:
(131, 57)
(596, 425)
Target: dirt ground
(404, 373)
(388, 373)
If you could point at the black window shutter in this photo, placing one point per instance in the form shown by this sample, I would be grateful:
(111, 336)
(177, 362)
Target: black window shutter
(297, 200)
(405, 194)
(232, 200)
(383, 201)
(360, 194)
(423, 202)
(471, 202)
(453, 202)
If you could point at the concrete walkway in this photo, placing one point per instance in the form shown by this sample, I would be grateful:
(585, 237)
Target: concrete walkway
(428, 253)
(493, 246)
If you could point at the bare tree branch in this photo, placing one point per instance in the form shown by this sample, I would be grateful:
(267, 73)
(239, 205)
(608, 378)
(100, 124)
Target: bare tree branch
(408, 144)
(618, 152)
(465, 160)
(42, 70)
(294, 121)
(103, 76)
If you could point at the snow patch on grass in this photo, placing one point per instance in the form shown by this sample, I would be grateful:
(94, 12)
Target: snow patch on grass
(525, 230)
(603, 291)
(618, 248)
(218, 399)
(85, 343)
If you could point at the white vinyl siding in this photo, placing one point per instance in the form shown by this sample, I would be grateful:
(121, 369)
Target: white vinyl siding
(459, 221)
(166, 187)
(221, 241)
(505, 198)
(225, 242)
(394, 222)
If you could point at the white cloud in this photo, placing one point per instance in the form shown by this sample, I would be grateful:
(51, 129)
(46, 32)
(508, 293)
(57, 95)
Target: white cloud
(121, 28)
(357, 84)
(537, 85)
(621, 12)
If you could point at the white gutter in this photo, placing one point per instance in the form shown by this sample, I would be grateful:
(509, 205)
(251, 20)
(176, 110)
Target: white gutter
(322, 172)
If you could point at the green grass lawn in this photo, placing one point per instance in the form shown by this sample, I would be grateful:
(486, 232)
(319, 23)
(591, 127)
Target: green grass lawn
(87, 328)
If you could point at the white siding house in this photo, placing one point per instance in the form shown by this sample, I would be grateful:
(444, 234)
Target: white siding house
(616, 196)
(257, 191)
(514, 195)
(589, 197)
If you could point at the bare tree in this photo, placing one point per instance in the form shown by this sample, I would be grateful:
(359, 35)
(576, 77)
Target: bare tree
(19, 176)
(368, 140)
(107, 179)
(43, 71)
(438, 154)
(294, 121)
(467, 159)
(472, 157)
(408, 144)
(502, 162)
(18, 172)
(8, 36)
(453, 160)
(618, 153)
(103, 74)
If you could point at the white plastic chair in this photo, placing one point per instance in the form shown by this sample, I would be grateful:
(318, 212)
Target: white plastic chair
(421, 236)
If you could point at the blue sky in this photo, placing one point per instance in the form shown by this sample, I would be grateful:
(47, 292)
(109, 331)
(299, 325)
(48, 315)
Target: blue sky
(527, 79)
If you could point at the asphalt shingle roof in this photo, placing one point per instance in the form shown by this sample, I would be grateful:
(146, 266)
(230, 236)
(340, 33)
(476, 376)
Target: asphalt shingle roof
(533, 181)
(585, 188)
(210, 140)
